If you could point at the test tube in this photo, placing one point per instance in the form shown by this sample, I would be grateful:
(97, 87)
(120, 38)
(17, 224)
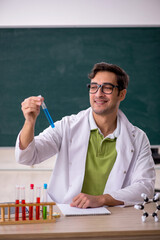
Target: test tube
(45, 110)
(23, 202)
(31, 201)
(45, 200)
(17, 202)
(38, 197)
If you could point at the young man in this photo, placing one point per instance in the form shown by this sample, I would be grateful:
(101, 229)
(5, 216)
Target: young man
(102, 159)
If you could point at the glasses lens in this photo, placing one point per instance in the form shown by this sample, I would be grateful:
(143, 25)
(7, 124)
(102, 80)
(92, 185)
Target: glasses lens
(93, 87)
(107, 88)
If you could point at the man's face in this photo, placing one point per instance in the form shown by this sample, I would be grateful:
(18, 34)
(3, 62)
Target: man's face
(101, 103)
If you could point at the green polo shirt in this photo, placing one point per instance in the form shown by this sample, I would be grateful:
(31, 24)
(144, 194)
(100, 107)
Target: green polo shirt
(100, 159)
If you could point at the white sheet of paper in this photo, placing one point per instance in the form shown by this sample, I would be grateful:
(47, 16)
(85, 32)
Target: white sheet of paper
(67, 210)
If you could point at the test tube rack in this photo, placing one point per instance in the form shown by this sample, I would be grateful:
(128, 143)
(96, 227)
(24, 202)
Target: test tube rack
(8, 220)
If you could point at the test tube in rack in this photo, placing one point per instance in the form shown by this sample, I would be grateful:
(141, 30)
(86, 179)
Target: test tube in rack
(17, 197)
(31, 201)
(45, 200)
(23, 202)
(38, 197)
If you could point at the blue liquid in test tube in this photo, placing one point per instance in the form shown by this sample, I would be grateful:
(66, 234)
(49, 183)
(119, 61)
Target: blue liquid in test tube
(44, 107)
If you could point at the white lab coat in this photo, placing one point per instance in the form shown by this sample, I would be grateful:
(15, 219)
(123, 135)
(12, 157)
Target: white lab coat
(132, 174)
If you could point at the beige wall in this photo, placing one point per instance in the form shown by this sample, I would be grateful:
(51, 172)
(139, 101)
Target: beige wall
(79, 13)
(12, 173)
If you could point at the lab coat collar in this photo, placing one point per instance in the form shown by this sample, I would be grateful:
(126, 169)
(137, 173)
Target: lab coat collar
(93, 126)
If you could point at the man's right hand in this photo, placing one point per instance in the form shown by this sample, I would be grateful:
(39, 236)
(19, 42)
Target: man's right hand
(31, 110)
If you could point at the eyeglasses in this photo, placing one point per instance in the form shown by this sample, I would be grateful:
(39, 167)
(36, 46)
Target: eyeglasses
(107, 88)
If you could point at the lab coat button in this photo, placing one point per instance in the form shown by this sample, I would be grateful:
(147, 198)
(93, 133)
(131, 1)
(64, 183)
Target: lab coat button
(132, 150)
(124, 172)
(133, 135)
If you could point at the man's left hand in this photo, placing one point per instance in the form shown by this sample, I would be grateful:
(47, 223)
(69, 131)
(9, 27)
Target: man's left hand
(83, 200)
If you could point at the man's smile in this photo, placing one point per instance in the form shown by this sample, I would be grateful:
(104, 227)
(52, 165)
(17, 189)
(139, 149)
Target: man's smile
(100, 101)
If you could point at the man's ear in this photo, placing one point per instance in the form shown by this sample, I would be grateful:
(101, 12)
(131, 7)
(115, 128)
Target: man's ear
(122, 94)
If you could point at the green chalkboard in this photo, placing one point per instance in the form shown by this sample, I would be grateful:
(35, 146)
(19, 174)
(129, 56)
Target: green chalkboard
(55, 63)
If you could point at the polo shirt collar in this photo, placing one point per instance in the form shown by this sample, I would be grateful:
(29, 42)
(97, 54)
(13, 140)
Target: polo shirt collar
(94, 126)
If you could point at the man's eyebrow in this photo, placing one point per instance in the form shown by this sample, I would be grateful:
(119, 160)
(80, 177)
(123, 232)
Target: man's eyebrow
(103, 83)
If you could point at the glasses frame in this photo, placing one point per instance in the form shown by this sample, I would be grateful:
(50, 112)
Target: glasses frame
(101, 86)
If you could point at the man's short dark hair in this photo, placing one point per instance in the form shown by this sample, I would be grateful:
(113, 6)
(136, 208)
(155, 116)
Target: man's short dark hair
(122, 77)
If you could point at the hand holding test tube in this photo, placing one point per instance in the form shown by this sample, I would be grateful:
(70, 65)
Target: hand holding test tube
(44, 107)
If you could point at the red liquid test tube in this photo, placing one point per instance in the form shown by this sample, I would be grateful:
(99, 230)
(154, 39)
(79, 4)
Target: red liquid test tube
(23, 202)
(38, 197)
(31, 201)
(17, 202)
